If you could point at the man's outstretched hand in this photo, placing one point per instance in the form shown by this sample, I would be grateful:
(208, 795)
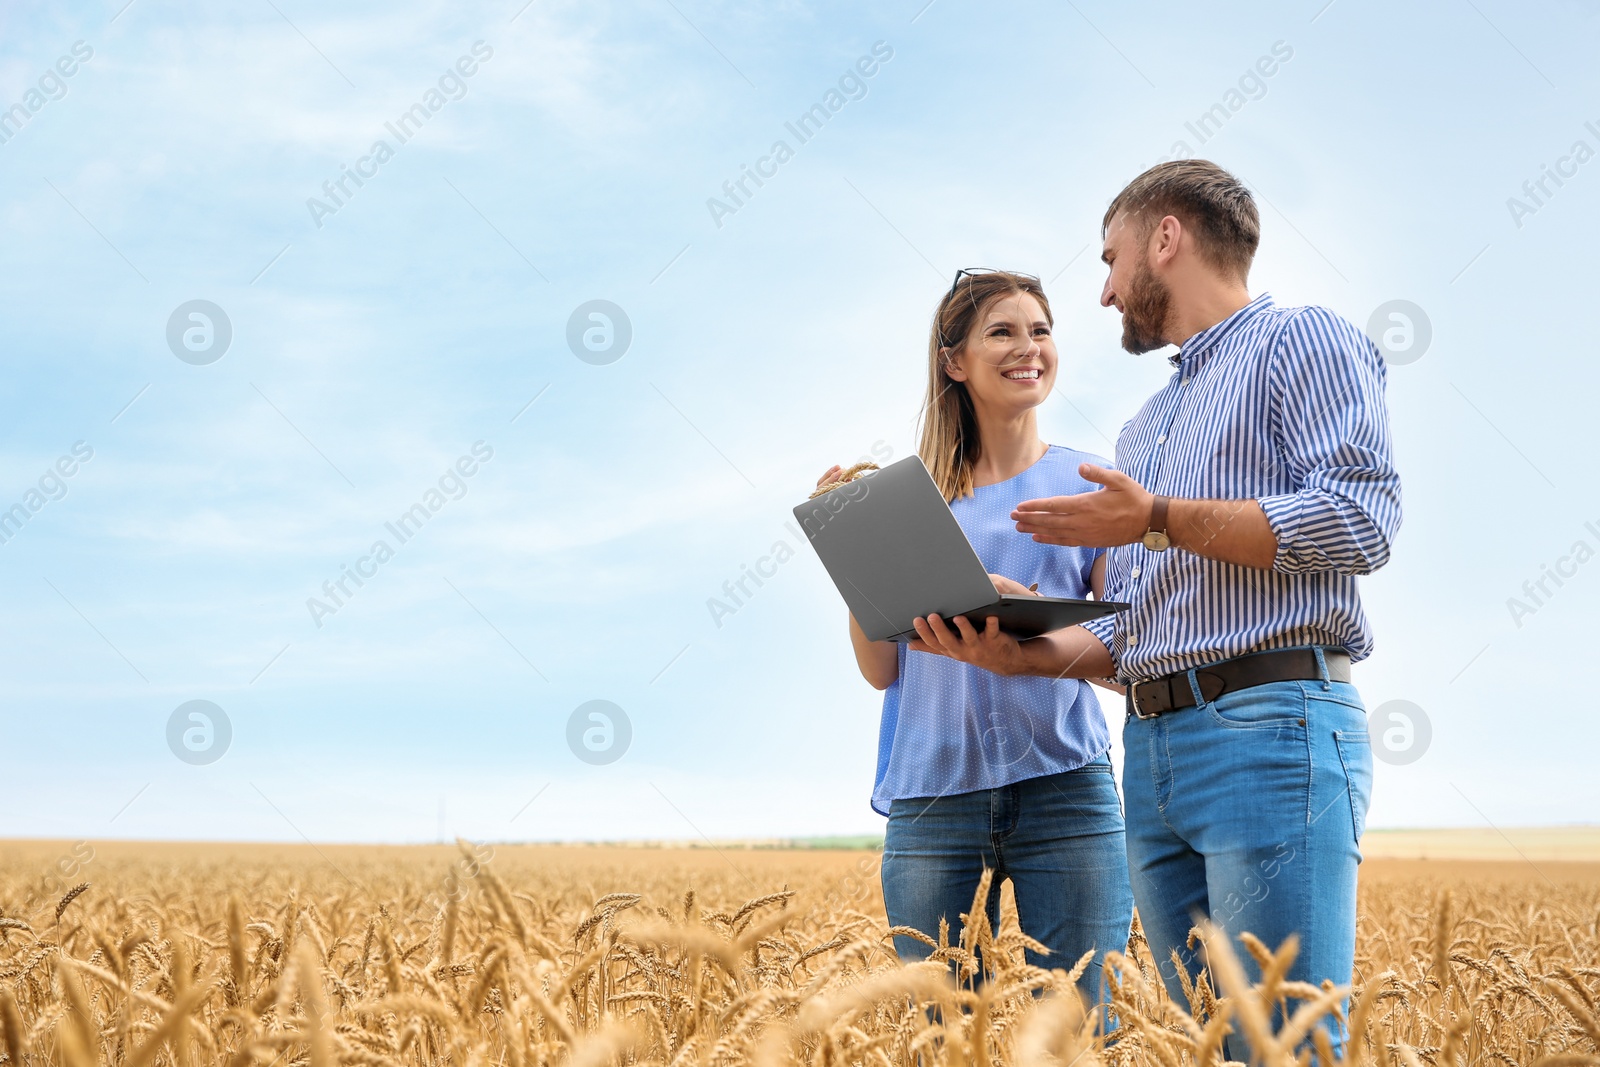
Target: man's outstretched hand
(1118, 514)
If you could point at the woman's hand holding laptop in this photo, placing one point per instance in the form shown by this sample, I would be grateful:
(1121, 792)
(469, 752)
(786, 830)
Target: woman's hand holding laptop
(1003, 585)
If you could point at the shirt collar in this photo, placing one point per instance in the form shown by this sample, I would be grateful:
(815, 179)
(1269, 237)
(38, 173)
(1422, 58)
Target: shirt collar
(1197, 346)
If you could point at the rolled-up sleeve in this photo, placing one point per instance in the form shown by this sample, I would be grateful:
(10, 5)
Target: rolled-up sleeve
(1102, 628)
(1105, 627)
(1331, 425)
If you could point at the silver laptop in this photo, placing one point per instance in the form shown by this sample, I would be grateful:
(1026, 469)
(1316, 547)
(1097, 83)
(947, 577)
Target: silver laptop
(896, 553)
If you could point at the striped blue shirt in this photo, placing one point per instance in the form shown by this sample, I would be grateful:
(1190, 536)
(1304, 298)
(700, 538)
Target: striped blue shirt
(1284, 406)
(949, 727)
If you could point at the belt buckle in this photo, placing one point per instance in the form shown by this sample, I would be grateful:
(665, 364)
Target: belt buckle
(1133, 701)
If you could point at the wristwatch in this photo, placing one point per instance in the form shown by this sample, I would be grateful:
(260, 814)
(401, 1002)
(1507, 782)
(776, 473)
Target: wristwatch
(1155, 539)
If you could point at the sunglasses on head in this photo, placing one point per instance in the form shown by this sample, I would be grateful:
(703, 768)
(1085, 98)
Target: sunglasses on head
(974, 272)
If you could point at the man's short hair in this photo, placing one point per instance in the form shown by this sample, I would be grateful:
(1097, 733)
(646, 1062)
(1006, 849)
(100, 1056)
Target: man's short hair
(1205, 198)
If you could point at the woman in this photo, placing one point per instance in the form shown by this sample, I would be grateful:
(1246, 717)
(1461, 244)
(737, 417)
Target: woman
(977, 770)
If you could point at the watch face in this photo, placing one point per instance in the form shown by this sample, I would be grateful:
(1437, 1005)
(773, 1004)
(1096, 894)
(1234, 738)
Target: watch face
(1156, 541)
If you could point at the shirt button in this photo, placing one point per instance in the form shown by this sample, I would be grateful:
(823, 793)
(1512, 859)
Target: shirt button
(1133, 639)
(1134, 573)
(1161, 440)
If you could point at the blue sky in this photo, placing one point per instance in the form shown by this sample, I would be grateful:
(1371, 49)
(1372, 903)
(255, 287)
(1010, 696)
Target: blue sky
(375, 345)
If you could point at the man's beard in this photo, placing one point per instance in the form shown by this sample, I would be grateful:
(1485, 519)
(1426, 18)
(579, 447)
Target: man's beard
(1144, 312)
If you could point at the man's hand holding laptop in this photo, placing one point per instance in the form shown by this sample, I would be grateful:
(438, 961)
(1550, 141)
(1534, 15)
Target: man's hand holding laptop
(1003, 585)
(1070, 653)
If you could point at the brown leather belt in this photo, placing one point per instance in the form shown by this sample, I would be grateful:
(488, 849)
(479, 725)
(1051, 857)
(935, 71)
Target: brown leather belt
(1170, 692)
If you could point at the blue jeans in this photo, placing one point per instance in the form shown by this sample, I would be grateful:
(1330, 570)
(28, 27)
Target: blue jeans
(1249, 810)
(1059, 838)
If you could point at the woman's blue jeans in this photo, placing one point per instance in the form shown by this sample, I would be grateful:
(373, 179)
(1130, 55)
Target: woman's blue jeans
(1059, 838)
(1248, 810)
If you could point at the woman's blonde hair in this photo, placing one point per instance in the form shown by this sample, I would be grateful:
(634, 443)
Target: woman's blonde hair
(949, 444)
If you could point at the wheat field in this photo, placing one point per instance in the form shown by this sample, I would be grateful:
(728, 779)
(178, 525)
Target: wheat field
(517, 956)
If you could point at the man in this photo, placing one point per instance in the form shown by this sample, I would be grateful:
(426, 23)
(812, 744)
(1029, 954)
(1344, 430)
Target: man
(1250, 492)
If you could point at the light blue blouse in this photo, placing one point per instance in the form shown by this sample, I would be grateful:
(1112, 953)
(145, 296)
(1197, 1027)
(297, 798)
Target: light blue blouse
(949, 727)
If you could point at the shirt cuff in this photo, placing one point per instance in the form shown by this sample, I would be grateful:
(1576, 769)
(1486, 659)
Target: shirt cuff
(1102, 628)
(1283, 517)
